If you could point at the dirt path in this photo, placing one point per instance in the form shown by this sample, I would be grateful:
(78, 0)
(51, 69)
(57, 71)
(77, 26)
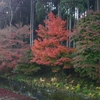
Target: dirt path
(9, 95)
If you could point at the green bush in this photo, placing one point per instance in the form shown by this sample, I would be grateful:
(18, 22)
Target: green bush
(86, 59)
(27, 69)
(25, 66)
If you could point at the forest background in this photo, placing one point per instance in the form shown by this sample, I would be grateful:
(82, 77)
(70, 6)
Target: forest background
(35, 42)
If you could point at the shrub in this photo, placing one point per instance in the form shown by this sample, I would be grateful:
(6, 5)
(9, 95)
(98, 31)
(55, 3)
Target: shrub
(12, 46)
(25, 65)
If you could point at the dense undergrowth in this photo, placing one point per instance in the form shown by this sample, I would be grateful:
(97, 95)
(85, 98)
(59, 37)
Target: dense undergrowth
(71, 82)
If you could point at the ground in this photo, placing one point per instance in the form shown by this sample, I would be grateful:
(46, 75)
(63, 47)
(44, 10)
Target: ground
(9, 95)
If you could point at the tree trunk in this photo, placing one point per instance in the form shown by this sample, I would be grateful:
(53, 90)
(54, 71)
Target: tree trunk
(88, 4)
(59, 13)
(32, 21)
(98, 5)
(11, 15)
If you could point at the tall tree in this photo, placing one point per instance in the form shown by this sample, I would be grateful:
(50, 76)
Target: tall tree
(98, 5)
(14, 11)
(47, 49)
(87, 36)
(32, 21)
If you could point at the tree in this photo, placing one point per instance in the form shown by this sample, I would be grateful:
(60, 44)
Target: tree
(12, 46)
(86, 59)
(49, 49)
(40, 12)
(98, 5)
(14, 11)
(32, 21)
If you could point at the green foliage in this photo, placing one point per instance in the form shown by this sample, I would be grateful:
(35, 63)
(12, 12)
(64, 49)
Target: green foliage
(72, 87)
(71, 4)
(40, 12)
(27, 69)
(25, 65)
(86, 59)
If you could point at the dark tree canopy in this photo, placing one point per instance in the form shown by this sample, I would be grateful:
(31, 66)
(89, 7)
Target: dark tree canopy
(21, 9)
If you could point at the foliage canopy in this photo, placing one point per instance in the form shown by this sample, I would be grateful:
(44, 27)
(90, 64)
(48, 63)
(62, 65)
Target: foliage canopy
(87, 36)
(48, 49)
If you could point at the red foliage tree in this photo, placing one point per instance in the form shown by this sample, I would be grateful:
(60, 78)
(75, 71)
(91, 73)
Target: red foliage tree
(12, 46)
(48, 49)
